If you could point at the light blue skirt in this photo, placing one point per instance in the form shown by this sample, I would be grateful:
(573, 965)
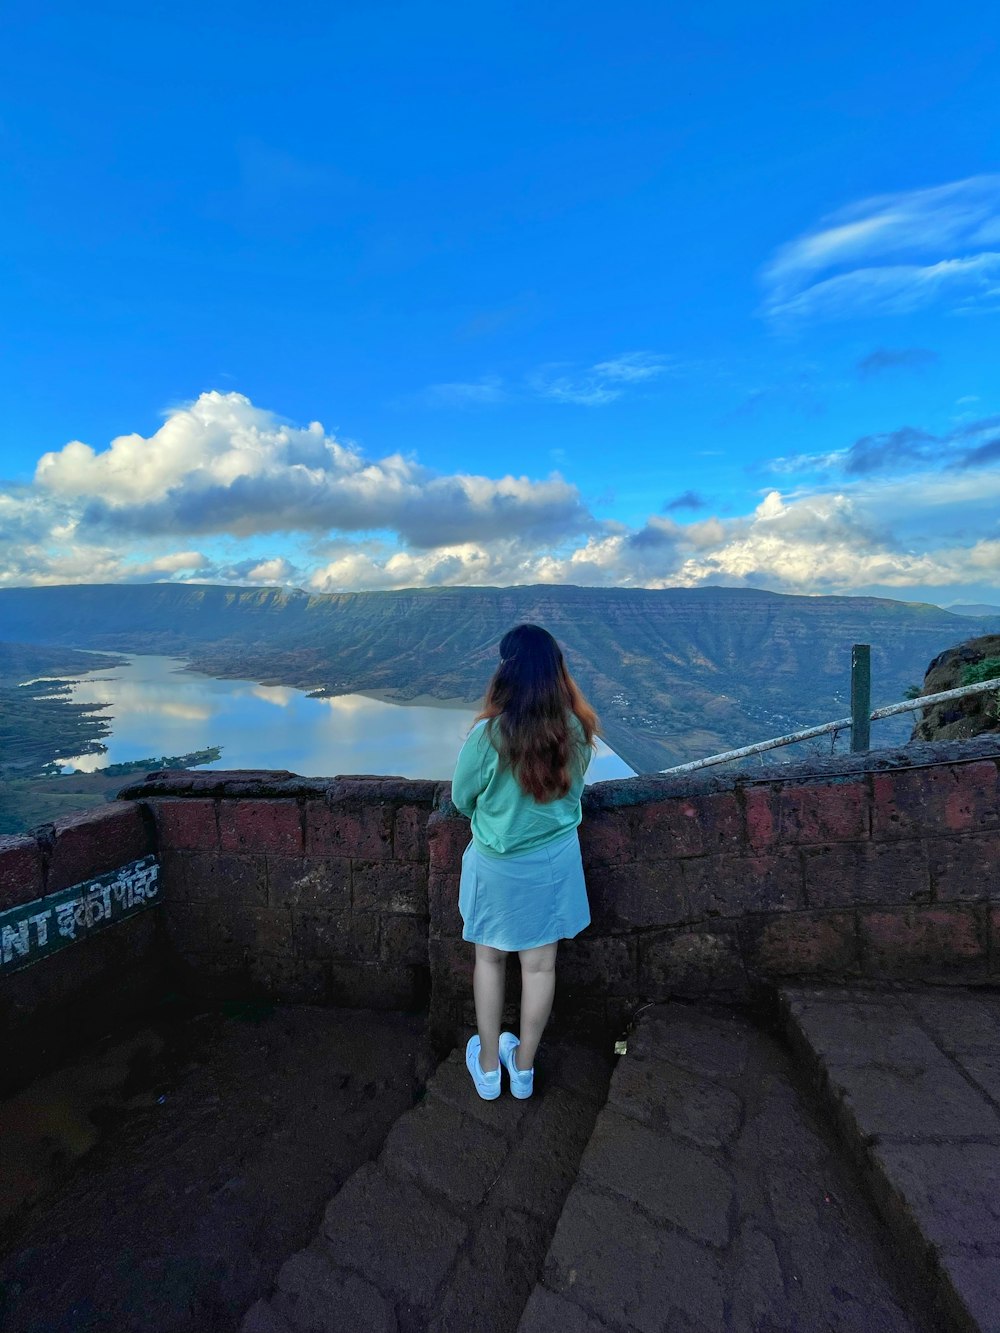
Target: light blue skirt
(521, 902)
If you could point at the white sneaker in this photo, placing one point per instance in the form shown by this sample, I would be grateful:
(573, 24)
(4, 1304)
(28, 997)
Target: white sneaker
(522, 1081)
(487, 1085)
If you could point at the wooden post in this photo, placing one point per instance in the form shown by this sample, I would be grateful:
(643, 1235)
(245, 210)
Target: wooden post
(861, 696)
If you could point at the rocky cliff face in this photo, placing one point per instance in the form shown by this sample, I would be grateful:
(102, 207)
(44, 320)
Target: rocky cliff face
(959, 719)
(675, 674)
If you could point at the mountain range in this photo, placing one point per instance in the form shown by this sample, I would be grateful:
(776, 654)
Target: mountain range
(675, 674)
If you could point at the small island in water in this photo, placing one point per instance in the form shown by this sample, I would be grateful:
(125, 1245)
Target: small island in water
(210, 755)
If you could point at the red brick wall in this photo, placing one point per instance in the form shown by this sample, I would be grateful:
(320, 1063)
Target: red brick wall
(46, 1008)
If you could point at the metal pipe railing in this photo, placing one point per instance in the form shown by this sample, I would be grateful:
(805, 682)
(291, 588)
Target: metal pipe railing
(842, 724)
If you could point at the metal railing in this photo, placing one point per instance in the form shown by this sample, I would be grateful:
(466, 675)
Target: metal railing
(842, 724)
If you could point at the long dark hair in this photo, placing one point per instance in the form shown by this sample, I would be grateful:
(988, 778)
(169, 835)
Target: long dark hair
(527, 707)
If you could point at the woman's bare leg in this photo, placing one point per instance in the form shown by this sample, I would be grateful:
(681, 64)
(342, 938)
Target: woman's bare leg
(538, 985)
(488, 982)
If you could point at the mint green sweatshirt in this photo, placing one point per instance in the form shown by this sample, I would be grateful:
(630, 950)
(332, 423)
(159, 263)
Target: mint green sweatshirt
(505, 820)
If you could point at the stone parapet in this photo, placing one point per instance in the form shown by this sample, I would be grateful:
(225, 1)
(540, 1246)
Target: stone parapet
(295, 888)
(77, 949)
(880, 866)
(861, 868)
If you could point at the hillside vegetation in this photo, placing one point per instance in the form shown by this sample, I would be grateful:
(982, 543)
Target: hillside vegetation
(960, 719)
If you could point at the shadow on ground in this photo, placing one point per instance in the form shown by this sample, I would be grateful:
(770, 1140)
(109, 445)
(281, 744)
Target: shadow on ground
(160, 1181)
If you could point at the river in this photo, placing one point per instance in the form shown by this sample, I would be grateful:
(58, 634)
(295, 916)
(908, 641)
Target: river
(157, 708)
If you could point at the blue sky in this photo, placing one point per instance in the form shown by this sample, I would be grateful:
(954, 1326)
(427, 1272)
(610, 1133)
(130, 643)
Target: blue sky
(390, 295)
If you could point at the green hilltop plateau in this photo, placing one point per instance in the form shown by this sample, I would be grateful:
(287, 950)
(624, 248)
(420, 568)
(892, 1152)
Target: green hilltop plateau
(675, 674)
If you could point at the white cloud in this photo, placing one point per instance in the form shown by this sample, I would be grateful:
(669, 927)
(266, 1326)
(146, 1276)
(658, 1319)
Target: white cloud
(898, 289)
(972, 445)
(277, 570)
(224, 465)
(817, 543)
(796, 464)
(178, 562)
(468, 563)
(894, 253)
(601, 383)
(846, 541)
(592, 386)
(57, 560)
(217, 464)
(631, 368)
(822, 543)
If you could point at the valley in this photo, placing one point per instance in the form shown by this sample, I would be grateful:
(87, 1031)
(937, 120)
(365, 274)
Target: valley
(674, 674)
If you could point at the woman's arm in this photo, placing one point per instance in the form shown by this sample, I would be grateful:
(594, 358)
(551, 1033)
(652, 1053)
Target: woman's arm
(582, 752)
(471, 772)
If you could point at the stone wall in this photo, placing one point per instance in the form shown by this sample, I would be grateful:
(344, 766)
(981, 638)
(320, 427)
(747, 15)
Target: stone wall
(875, 867)
(105, 970)
(296, 889)
(883, 866)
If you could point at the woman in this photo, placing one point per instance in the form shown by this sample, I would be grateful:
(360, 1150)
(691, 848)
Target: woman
(519, 778)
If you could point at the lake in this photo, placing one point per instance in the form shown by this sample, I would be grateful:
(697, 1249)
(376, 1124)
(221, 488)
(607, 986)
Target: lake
(158, 708)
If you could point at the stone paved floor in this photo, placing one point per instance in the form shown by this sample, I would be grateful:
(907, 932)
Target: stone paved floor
(913, 1077)
(718, 1184)
(709, 1199)
(447, 1230)
(209, 1142)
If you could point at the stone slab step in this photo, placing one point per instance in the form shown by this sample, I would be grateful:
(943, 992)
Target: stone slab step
(912, 1078)
(708, 1200)
(446, 1232)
